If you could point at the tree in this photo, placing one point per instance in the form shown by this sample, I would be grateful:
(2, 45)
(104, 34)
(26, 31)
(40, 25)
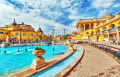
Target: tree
(66, 36)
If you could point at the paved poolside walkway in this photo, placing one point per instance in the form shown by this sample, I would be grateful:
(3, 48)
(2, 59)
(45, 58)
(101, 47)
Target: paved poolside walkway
(95, 63)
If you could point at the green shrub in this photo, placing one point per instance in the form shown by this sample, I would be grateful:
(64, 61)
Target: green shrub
(38, 48)
(66, 36)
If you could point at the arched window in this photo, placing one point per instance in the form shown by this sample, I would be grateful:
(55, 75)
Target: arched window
(92, 33)
(87, 33)
(104, 28)
(112, 26)
(98, 32)
(24, 34)
(16, 34)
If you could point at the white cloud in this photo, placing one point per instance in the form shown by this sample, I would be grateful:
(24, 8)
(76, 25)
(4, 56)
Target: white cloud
(9, 12)
(102, 6)
(102, 3)
(116, 5)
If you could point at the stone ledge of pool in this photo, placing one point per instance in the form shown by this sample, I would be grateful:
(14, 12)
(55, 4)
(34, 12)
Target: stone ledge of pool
(68, 69)
(31, 72)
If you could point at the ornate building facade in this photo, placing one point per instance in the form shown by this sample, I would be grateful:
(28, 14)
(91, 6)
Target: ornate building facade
(106, 28)
(20, 33)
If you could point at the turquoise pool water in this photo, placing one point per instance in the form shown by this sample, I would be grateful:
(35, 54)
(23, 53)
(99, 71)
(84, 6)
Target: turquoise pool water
(55, 69)
(13, 59)
(37, 42)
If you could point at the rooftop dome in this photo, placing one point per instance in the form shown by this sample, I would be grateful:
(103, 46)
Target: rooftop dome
(39, 30)
(14, 23)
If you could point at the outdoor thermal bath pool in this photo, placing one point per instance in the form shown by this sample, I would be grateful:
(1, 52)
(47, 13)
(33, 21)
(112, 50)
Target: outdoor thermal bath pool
(13, 59)
(57, 68)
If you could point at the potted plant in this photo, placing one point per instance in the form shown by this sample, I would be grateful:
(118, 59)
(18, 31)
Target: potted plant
(39, 61)
(38, 51)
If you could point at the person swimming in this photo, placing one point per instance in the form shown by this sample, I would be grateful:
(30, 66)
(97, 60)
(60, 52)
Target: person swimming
(59, 53)
(25, 49)
(62, 52)
(4, 52)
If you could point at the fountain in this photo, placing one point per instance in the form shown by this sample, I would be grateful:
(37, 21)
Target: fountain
(6, 43)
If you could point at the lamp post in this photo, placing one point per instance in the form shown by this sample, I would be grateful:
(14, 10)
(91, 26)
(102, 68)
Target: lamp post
(64, 32)
(53, 32)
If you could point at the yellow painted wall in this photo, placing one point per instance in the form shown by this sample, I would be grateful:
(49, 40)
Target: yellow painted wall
(105, 22)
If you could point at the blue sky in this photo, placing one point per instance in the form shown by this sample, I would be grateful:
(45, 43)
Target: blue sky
(54, 14)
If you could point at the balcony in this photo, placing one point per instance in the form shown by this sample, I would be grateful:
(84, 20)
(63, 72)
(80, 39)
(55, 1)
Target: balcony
(107, 21)
(105, 31)
(98, 33)
(119, 28)
(112, 30)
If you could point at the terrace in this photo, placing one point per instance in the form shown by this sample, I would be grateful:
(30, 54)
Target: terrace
(108, 20)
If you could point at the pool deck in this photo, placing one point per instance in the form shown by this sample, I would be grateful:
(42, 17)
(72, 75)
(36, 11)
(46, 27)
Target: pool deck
(95, 63)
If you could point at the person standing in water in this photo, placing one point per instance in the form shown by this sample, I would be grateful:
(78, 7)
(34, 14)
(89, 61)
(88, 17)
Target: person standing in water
(18, 49)
(62, 52)
(53, 48)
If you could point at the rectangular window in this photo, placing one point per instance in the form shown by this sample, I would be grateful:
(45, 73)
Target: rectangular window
(6, 33)
(1, 32)
(24, 34)
(37, 35)
(16, 34)
(31, 34)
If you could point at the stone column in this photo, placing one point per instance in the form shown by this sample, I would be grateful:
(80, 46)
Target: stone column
(89, 25)
(108, 35)
(79, 28)
(95, 36)
(84, 27)
(117, 33)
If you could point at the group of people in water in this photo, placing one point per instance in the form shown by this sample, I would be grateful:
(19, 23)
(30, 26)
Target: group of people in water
(17, 51)
(26, 51)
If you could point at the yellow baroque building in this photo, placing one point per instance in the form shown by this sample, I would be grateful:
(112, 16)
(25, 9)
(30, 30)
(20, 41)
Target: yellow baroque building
(20, 33)
(106, 28)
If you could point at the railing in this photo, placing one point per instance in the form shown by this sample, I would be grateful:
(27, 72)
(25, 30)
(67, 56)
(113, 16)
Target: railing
(98, 33)
(109, 19)
(119, 28)
(105, 31)
(112, 30)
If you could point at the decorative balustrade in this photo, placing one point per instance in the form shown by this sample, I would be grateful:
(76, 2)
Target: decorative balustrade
(105, 31)
(112, 30)
(98, 33)
(106, 21)
(119, 28)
